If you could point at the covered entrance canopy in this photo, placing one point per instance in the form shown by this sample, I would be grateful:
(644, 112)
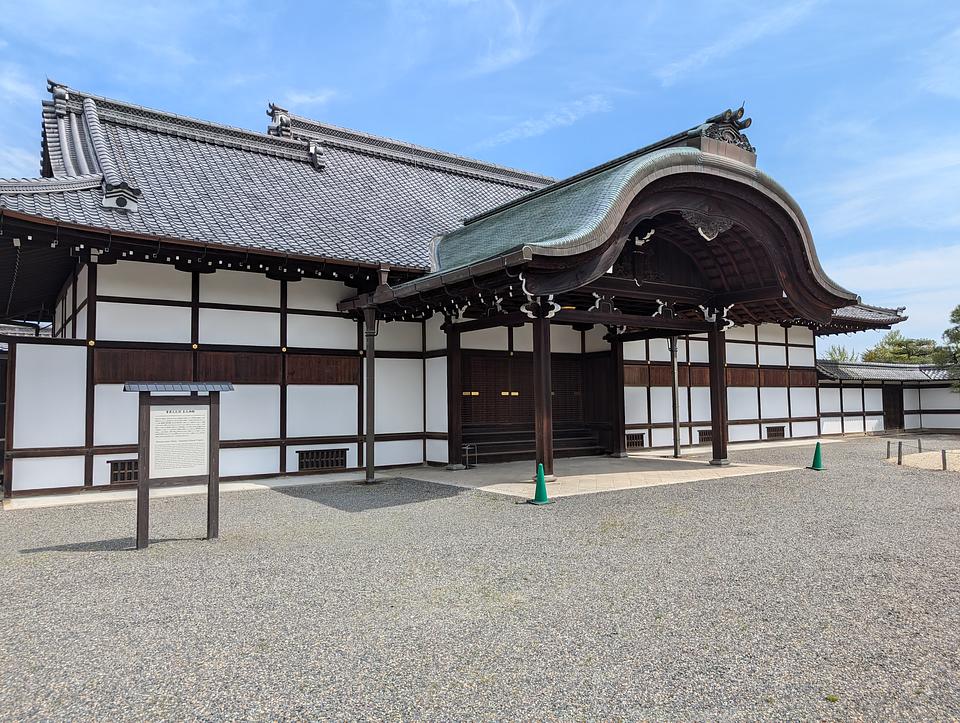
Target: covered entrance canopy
(685, 236)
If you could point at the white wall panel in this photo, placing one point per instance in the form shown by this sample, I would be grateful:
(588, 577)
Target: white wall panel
(744, 333)
(852, 399)
(400, 336)
(250, 411)
(829, 399)
(635, 405)
(939, 399)
(772, 332)
(436, 337)
(742, 403)
(874, 399)
(799, 335)
(874, 423)
(700, 403)
(773, 403)
(802, 357)
(437, 450)
(594, 340)
(803, 401)
(436, 391)
(659, 351)
(661, 404)
(523, 338)
(82, 287)
(321, 410)
(317, 294)
(248, 461)
(239, 287)
(495, 338)
(138, 322)
(293, 459)
(911, 399)
(101, 465)
(744, 432)
(741, 353)
(699, 351)
(142, 280)
(47, 473)
(635, 350)
(399, 396)
(246, 328)
(81, 327)
(772, 355)
(804, 429)
(941, 421)
(564, 339)
(830, 425)
(321, 332)
(852, 424)
(911, 421)
(661, 437)
(407, 451)
(115, 415)
(50, 408)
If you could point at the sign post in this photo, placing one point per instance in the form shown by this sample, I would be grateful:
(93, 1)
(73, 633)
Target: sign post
(179, 442)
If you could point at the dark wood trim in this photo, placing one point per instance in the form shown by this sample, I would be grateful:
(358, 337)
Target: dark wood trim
(11, 382)
(718, 395)
(90, 403)
(454, 401)
(370, 336)
(284, 359)
(618, 445)
(543, 394)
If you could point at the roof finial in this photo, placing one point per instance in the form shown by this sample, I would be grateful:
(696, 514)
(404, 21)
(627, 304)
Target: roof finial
(280, 121)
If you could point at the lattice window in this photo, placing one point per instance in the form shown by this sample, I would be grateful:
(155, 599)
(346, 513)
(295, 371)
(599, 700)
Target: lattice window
(635, 440)
(776, 432)
(123, 471)
(705, 436)
(312, 460)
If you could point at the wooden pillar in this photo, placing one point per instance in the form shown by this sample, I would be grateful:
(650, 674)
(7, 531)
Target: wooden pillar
(618, 444)
(454, 398)
(716, 340)
(675, 388)
(542, 394)
(370, 335)
(213, 469)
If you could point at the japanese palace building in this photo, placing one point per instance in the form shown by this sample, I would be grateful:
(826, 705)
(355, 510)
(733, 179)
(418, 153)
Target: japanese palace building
(379, 303)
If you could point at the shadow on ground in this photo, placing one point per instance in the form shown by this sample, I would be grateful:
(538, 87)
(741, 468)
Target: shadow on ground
(394, 492)
(116, 544)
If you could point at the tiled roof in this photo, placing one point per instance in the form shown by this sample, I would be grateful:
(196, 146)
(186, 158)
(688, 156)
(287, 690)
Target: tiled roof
(14, 330)
(870, 314)
(881, 371)
(316, 190)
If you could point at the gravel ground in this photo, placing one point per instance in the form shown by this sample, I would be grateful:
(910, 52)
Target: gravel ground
(789, 595)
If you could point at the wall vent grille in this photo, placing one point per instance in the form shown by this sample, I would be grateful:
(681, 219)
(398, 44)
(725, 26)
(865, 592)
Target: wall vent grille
(777, 432)
(123, 471)
(312, 460)
(705, 436)
(635, 440)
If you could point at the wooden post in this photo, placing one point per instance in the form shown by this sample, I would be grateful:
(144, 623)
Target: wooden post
(542, 394)
(213, 469)
(943, 459)
(370, 335)
(143, 474)
(899, 453)
(618, 446)
(454, 397)
(716, 340)
(674, 381)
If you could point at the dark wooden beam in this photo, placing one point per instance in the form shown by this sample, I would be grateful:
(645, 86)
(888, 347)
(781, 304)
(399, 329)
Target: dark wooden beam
(488, 322)
(454, 397)
(618, 444)
(743, 296)
(716, 349)
(542, 395)
(634, 321)
(370, 335)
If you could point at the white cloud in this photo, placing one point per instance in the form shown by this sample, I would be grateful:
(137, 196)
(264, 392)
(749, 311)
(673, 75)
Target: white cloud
(942, 66)
(743, 34)
(564, 115)
(516, 41)
(14, 87)
(18, 163)
(302, 98)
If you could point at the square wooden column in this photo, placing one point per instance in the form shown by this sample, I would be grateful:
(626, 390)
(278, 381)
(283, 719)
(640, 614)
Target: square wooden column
(716, 347)
(543, 395)
(370, 336)
(454, 398)
(618, 443)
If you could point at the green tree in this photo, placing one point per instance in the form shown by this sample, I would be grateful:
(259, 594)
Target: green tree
(895, 347)
(947, 356)
(839, 353)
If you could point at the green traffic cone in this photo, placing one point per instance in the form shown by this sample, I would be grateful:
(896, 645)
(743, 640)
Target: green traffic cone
(540, 496)
(817, 460)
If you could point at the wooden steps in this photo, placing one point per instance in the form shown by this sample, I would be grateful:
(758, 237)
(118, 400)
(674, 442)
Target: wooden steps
(511, 443)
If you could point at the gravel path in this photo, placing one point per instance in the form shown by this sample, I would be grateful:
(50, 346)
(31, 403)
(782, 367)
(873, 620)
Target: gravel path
(788, 595)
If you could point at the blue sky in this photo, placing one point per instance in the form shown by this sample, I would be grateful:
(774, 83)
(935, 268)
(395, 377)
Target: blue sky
(855, 104)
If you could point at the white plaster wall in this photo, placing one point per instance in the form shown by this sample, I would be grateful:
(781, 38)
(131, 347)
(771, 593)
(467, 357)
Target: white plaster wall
(772, 332)
(661, 404)
(744, 432)
(115, 415)
(773, 403)
(82, 285)
(700, 403)
(911, 421)
(743, 333)
(805, 429)
(248, 461)
(741, 353)
(663, 437)
(802, 356)
(941, 421)
(803, 401)
(635, 350)
(852, 399)
(564, 339)
(436, 337)
(874, 423)
(47, 473)
(523, 338)
(742, 403)
(799, 335)
(399, 396)
(141, 280)
(293, 461)
(239, 287)
(50, 394)
(830, 425)
(246, 328)
(635, 405)
(436, 391)
(659, 351)
(316, 294)
(772, 355)
(139, 322)
(939, 399)
(852, 424)
(699, 352)
(874, 398)
(81, 327)
(250, 411)
(321, 332)
(437, 450)
(829, 399)
(594, 341)
(495, 338)
(101, 466)
(406, 451)
(321, 410)
(400, 336)
(911, 399)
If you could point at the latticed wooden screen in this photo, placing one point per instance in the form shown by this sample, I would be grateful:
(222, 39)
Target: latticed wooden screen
(776, 432)
(705, 436)
(567, 382)
(635, 440)
(124, 471)
(321, 459)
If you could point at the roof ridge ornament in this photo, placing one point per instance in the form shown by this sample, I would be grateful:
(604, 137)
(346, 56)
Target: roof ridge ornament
(279, 121)
(727, 127)
(708, 226)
